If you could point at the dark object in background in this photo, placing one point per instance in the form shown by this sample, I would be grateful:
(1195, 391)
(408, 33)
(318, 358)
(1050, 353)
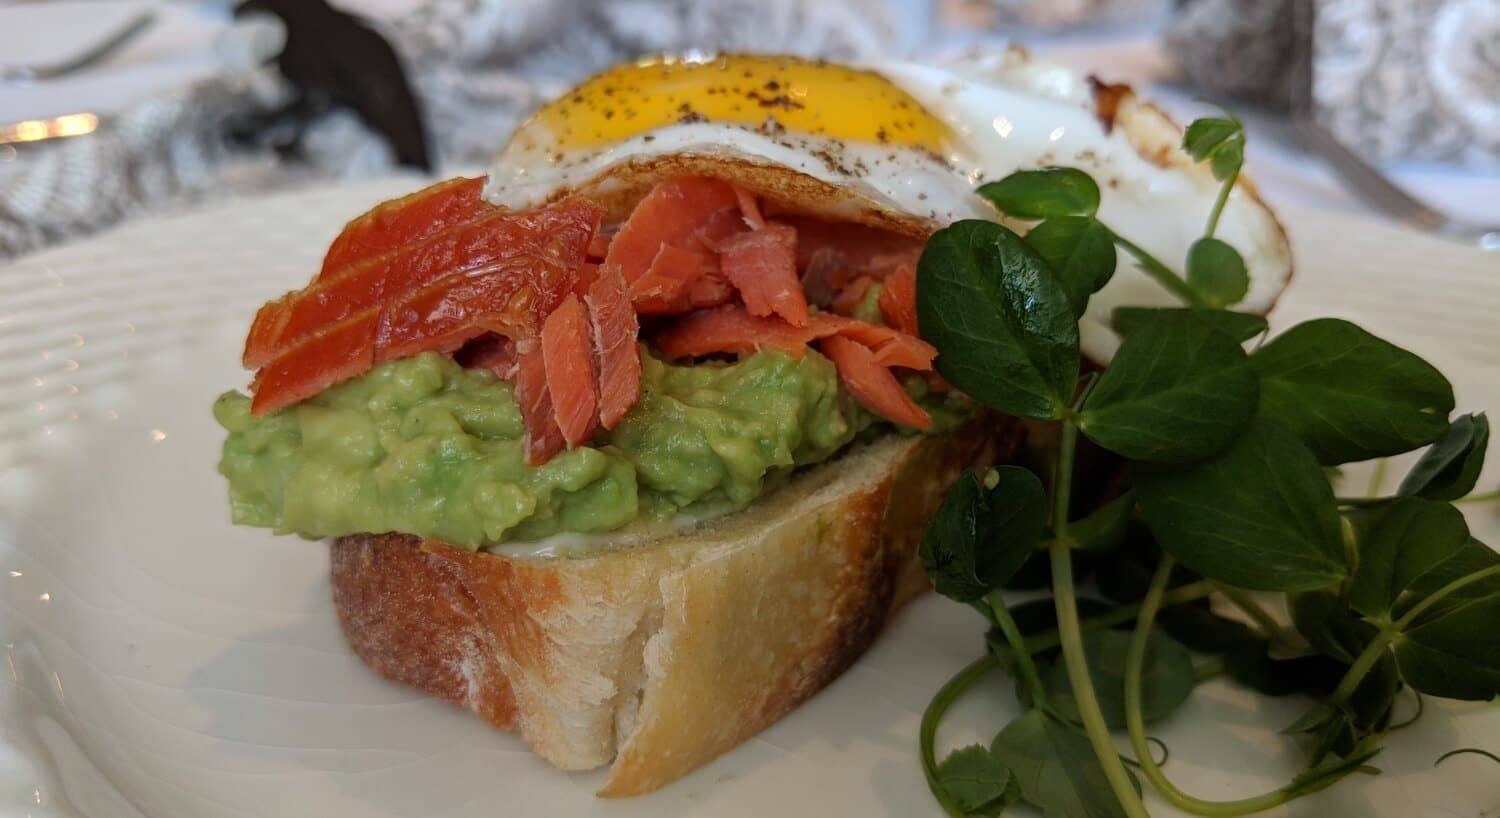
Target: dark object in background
(335, 60)
(1246, 49)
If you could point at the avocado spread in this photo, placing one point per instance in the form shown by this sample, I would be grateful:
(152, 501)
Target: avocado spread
(425, 447)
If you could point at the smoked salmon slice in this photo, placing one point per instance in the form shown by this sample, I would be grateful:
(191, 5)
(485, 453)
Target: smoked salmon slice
(666, 286)
(615, 328)
(863, 353)
(891, 346)
(749, 210)
(720, 225)
(449, 312)
(528, 264)
(730, 329)
(346, 351)
(572, 383)
(710, 290)
(762, 265)
(543, 436)
(496, 353)
(269, 321)
(857, 248)
(849, 298)
(543, 239)
(404, 221)
(898, 301)
(599, 245)
(673, 213)
(872, 384)
(660, 295)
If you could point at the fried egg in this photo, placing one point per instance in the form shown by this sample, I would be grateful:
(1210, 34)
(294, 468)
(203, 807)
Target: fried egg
(908, 140)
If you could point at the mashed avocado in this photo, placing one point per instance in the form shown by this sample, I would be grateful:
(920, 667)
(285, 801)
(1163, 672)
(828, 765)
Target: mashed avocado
(424, 447)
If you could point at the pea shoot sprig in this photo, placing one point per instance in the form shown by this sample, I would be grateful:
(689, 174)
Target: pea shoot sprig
(1225, 492)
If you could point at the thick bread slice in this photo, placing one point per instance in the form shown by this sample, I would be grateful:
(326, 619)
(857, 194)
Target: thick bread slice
(662, 654)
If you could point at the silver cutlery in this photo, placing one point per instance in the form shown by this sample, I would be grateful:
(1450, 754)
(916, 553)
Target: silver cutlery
(95, 53)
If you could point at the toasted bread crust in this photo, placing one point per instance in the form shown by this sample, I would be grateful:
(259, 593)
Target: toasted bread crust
(661, 655)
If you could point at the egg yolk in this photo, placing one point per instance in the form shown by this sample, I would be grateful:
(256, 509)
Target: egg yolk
(812, 97)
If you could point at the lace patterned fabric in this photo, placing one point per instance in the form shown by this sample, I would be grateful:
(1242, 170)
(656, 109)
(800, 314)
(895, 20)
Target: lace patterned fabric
(1393, 79)
(478, 66)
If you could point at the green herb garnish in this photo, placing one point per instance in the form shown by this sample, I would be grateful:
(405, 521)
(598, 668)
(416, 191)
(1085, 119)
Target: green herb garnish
(1226, 491)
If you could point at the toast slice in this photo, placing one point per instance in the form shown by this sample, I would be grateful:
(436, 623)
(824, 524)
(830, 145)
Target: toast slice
(662, 653)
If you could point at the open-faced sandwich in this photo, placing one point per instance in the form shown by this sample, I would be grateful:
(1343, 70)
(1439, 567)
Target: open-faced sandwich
(629, 445)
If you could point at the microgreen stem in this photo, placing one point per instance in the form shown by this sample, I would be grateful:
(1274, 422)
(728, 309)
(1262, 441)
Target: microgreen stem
(1377, 476)
(1223, 199)
(1160, 272)
(1071, 636)
(1047, 640)
(1373, 651)
(1362, 664)
(1001, 618)
(1062, 484)
(1487, 497)
(1269, 626)
(1135, 723)
(1412, 719)
(1437, 596)
(927, 734)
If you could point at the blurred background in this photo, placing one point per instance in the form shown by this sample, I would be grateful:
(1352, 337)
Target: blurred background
(116, 109)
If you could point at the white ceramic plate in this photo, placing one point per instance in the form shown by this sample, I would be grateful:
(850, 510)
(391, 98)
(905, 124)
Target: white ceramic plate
(164, 663)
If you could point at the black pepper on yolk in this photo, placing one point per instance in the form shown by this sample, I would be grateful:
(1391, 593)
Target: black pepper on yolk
(812, 97)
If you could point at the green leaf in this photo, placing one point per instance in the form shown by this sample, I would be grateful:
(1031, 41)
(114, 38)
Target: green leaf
(1166, 679)
(1081, 253)
(1329, 625)
(1204, 136)
(1335, 741)
(979, 537)
(1326, 773)
(1228, 159)
(1313, 720)
(1217, 272)
(1370, 706)
(1239, 326)
(1123, 576)
(1399, 543)
(1176, 391)
(1349, 395)
(977, 781)
(1261, 515)
(1198, 628)
(1056, 768)
(1472, 557)
(1457, 654)
(1340, 635)
(1450, 468)
(1219, 139)
(1002, 324)
(1105, 527)
(1043, 194)
(1252, 666)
